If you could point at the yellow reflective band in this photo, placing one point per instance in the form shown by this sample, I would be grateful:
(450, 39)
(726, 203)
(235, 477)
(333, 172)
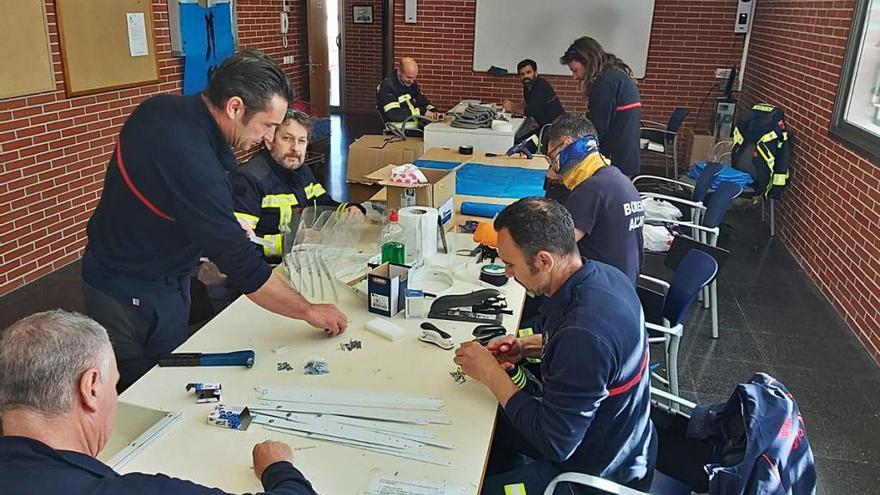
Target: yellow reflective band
(779, 179)
(517, 489)
(766, 155)
(523, 332)
(770, 136)
(737, 136)
(273, 248)
(391, 106)
(519, 379)
(403, 98)
(409, 125)
(285, 204)
(250, 219)
(314, 190)
(763, 107)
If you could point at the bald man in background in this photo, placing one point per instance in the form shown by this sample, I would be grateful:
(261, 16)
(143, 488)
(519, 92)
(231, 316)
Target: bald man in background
(398, 97)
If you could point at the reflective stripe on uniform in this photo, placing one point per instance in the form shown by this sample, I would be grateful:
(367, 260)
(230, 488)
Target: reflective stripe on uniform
(285, 204)
(274, 245)
(391, 106)
(314, 190)
(525, 332)
(737, 136)
(763, 107)
(517, 489)
(779, 179)
(770, 136)
(407, 98)
(519, 378)
(250, 219)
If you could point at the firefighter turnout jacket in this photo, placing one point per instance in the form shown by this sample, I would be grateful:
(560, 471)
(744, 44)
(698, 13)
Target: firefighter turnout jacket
(397, 102)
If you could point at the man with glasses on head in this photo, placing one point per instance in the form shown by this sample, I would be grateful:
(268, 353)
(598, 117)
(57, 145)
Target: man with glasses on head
(275, 181)
(607, 211)
(166, 202)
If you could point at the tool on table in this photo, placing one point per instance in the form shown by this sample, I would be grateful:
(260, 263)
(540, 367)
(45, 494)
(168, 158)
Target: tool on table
(237, 358)
(482, 306)
(232, 417)
(487, 333)
(205, 392)
(520, 148)
(433, 335)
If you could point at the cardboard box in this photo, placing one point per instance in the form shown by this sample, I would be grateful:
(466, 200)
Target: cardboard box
(370, 153)
(386, 285)
(438, 192)
(359, 192)
(701, 148)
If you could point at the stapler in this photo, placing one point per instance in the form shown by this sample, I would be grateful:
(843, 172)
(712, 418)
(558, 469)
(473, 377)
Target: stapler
(487, 333)
(482, 306)
(433, 335)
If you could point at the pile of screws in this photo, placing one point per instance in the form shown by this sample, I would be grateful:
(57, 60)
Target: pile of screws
(316, 367)
(350, 345)
(285, 366)
(458, 375)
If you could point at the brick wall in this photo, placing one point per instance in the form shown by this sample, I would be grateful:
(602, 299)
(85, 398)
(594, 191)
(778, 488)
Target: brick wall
(363, 58)
(830, 216)
(54, 149)
(689, 39)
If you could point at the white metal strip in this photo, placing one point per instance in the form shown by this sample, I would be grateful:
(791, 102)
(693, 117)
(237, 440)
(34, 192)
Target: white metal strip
(400, 416)
(348, 397)
(339, 431)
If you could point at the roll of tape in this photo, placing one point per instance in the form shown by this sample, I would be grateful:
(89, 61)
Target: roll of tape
(493, 274)
(466, 150)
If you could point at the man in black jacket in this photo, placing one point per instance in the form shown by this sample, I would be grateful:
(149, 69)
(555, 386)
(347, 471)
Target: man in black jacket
(275, 182)
(539, 101)
(58, 401)
(398, 97)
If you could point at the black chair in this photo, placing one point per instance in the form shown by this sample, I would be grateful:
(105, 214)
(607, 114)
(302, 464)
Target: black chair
(663, 140)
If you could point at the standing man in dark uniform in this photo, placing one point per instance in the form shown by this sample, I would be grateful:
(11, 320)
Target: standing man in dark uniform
(275, 182)
(399, 97)
(540, 101)
(166, 202)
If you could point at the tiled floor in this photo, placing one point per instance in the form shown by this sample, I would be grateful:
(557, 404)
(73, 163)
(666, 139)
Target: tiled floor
(773, 319)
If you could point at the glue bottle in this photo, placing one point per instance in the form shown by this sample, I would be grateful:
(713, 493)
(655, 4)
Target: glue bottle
(393, 241)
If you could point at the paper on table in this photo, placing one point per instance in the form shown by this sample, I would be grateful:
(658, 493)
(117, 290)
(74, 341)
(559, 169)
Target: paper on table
(137, 34)
(387, 485)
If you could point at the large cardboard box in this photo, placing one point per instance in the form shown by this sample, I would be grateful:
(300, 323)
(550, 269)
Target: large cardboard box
(438, 192)
(370, 153)
(701, 148)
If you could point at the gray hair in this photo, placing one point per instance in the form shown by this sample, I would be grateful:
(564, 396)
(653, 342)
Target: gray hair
(570, 125)
(43, 356)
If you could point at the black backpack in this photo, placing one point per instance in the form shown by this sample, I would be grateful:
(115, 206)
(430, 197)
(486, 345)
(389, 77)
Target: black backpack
(762, 148)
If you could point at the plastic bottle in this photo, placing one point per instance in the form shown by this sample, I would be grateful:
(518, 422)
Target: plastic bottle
(393, 241)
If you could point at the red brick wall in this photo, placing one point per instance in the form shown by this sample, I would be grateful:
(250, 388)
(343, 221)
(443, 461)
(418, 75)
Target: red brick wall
(830, 215)
(689, 39)
(363, 58)
(54, 149)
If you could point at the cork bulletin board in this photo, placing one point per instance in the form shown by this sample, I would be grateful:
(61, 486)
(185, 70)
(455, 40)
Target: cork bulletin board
(106, 44)
(24, 49)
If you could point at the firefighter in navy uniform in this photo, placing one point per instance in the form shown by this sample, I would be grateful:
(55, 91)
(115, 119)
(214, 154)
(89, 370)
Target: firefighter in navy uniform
(166, 202)
(274, 182)
(399, 97)
(540, 101)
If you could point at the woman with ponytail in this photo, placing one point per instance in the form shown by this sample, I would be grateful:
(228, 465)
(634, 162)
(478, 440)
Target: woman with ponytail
(613, 103)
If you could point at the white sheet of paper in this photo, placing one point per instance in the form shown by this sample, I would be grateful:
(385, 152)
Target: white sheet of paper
(137, 34)
(388, 485)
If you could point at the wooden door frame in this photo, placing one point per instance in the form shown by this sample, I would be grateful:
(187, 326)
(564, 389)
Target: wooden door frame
(341, 19)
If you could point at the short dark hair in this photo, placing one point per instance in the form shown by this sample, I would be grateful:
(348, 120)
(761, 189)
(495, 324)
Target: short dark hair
(252, 76)
(570, 125)
(299, 117)
(538, 224)
(526, 62)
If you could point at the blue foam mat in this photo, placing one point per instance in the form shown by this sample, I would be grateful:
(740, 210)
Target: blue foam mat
(477, 179)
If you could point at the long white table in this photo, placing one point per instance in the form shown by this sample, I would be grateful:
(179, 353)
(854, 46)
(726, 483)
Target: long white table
(443, 135)
(217, 457)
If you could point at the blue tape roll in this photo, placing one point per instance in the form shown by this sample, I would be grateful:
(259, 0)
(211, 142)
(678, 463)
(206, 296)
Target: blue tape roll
(487, 210)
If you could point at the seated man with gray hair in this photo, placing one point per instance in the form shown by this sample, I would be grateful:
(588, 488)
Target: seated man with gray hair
(58, 403)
